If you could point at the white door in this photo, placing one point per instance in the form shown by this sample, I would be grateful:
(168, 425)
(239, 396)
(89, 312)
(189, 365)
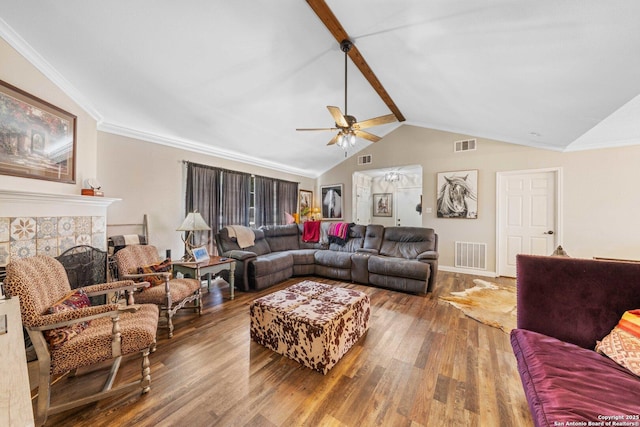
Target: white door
(406, 201)
(363, 205)
(527, 216)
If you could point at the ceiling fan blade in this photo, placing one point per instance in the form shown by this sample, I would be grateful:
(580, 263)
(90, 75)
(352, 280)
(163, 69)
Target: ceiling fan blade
(335, 28)
(377, 121)
(366, 135)
(333, 140)
(314, 129)
(338, 116)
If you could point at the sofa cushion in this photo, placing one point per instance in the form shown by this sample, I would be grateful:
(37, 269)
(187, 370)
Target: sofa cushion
(303, 256)
(227, 244)
(373, 237)
(398, 267)
(270, 263)
(354, 242)
(282, 237)
(332, 258)
(622, 344)
(407, 242)
(563, 381)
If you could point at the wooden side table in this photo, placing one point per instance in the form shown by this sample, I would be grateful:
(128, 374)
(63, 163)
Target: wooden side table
(214, 266)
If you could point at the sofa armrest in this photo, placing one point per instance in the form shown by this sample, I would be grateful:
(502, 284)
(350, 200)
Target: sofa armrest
(240, 255)
(427, 256)
(575, 300)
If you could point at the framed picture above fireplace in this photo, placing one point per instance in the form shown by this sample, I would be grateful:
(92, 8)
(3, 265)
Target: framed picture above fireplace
(37, 139)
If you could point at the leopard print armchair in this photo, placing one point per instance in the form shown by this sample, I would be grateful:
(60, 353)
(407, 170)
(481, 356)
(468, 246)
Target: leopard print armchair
(108, 331)
(170, 294)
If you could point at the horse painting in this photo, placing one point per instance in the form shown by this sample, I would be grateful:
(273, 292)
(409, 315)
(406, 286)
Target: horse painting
(332, 202)
(457, 196)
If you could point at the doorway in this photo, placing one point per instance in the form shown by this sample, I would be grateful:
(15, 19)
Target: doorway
(402, 185)
(528, 215)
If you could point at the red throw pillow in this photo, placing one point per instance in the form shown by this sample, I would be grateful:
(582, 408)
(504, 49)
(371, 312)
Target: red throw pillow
(164, 266)
(73, 301)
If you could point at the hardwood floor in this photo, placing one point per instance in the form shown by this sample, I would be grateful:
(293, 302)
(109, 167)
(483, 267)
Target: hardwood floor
(422, 363)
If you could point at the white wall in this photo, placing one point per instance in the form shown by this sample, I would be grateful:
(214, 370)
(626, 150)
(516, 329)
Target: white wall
(600, 201)
(19, 72)
(150, 179)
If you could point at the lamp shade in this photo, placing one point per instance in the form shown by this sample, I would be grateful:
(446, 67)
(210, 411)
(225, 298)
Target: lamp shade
(193, 222)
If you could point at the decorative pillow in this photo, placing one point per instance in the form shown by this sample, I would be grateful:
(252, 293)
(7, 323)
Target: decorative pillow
(73, 301)
(288, 218)
(622, 345)
(164, 266)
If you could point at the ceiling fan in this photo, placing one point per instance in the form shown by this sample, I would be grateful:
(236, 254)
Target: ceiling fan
(347, 126)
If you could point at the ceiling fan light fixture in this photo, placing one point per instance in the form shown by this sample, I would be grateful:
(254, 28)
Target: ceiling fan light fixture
(352, 139)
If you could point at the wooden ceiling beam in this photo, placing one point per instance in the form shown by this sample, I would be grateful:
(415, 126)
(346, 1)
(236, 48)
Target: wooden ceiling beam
(335, 28)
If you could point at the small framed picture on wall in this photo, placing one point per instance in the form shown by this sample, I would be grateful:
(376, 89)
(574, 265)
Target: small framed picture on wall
(305, 203)
(332, 203)
(383, 204)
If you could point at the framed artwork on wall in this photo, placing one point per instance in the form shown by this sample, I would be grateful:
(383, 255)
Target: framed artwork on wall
(305, 203)
(37, 139)
(383, 204)
(458, 194)
(332, 201)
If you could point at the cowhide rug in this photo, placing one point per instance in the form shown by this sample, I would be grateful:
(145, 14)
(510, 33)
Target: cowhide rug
(488, 303)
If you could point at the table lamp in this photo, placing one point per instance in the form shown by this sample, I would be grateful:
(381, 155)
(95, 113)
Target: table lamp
(193, 222)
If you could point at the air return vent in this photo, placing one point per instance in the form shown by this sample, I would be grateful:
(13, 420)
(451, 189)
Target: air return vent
(471, 255)
(466, 145)
(365, 159)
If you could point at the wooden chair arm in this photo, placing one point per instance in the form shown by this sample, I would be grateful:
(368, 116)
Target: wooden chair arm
(121, 285)
(66, 318)
(166, 275)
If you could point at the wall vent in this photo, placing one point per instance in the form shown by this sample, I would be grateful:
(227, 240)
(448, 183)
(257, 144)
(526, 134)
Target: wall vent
(466, 145)
(471, 255)
(364, 159)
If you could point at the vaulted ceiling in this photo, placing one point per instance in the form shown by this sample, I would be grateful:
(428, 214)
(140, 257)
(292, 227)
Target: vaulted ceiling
(236, 78)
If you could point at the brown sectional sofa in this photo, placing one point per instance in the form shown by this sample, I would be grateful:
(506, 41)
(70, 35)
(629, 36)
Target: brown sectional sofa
(398, 258)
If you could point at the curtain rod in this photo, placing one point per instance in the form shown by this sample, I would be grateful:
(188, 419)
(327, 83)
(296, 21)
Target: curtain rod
(187, 162)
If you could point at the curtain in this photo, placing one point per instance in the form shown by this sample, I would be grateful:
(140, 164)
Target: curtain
(236, 187)
(286, 199)
(264, 190)
(203, 195)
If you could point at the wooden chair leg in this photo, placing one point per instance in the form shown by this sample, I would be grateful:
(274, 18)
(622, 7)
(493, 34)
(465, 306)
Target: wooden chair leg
(146, 371)
(44, 377)
(170, 323)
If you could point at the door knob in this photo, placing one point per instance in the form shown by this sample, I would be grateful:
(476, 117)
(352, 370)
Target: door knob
(548, 232)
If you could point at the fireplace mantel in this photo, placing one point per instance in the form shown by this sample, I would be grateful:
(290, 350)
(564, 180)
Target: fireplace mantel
(32, 197)
(15, 203)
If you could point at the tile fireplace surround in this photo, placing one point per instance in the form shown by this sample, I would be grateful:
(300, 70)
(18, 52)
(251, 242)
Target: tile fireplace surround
(48, 224)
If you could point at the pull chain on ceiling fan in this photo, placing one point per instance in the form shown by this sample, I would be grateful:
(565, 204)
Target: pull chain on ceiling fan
(347, 126)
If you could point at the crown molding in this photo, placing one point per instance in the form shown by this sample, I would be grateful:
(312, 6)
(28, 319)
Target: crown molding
(30, 54)
(200, 148)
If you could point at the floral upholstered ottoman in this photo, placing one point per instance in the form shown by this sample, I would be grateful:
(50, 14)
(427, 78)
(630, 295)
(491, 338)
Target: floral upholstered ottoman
(312, 323)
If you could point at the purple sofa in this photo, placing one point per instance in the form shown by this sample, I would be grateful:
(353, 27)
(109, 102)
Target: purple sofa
(564, 306)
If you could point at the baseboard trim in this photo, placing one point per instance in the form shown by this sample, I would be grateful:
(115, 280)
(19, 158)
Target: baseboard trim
(468, 271)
